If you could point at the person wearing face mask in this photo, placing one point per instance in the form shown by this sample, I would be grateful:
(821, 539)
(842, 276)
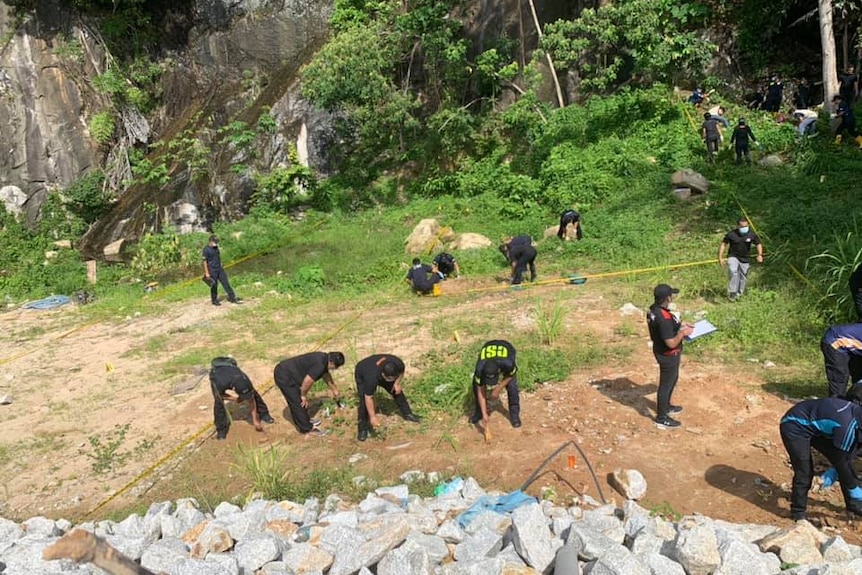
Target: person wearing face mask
(666, 333)
(737, 243)
(214, 273)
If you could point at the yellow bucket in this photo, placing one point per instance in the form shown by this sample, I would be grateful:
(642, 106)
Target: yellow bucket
(435, 290)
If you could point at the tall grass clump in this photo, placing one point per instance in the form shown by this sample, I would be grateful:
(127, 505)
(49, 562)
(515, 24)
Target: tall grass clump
(264, 469)
(834, 266)
(549, 320)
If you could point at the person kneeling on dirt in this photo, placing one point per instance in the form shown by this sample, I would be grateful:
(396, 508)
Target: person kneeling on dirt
(295, 376)
(422, 277)
(387, 371)
(831, 426)
(447, 265)
(228, 382)
(496, 369)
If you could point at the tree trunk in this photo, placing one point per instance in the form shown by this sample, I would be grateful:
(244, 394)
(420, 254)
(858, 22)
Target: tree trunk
(827, 49)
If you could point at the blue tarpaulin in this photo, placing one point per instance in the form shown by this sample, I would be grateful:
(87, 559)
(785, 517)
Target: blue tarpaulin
(49, 302)
(500, 504)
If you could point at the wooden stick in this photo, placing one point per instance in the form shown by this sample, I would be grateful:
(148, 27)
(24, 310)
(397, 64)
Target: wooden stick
(83, 547)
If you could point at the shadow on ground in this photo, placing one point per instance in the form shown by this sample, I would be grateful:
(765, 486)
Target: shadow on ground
(625, 391)
(749, 486)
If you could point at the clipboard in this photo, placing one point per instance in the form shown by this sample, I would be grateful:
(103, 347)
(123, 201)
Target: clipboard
(701, 328)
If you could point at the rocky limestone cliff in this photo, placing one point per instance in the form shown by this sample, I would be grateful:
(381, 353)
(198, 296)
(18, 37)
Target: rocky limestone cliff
(44, 138)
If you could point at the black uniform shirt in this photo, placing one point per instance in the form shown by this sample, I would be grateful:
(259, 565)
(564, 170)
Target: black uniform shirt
(571, 215)
(741, 135)
(833, 418)
(418, 276)
(314, 365)
(662, 325)
(230, 377)
(846, 81)
(500, 351)
(740, 245)
(368, 372)
(856, 279)
(212, 257)
(711, 128)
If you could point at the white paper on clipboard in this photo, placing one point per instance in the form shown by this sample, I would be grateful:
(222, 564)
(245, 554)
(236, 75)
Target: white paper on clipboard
(701, 328)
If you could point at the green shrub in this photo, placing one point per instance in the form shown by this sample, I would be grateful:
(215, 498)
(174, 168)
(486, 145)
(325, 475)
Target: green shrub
(102, 126)
(157, 253)
(89, 197)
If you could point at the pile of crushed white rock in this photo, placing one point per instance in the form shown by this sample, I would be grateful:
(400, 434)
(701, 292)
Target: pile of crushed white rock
(461, 530)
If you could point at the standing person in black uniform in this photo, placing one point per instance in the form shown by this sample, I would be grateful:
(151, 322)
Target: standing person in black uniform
(570, 217)
(386, 371)
(710, 132)
(848, 84)
(856, 290)
(667, 334)
(215, 273)
(848, 119)
(774, 95)
(422, 277)
(832, 427)
(496, 369)
(802, 100)
(295, 376)
(447, 265)
(228, 382)
(741, 136)
(738, 244)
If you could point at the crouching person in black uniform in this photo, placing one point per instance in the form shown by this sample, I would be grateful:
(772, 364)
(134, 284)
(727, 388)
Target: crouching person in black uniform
(570, 217)
(295, 376)
(422, 277)
(447, 265)
(382, 370)
(226, 377)
(832, 427)
(520, 253)
(496, 369)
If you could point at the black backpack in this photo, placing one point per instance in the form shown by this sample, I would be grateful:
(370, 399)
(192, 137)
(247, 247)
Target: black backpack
(223, 362)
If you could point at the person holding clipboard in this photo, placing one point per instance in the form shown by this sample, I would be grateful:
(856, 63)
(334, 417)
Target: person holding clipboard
(667, 334)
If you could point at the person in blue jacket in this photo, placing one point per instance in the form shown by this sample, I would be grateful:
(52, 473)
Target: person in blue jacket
(832, 427)
(842, 355)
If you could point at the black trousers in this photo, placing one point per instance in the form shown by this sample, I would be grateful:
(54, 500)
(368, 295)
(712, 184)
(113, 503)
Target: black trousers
(847, 127)
(220, 417)
(221, 276)
(512, 395)
(400, 400)
(668, 375)
(799, 450)
(526, 257)
(840, 367)
(292, 392)
(567, 219)
(711, 149)
(856, 292)
(743, 151)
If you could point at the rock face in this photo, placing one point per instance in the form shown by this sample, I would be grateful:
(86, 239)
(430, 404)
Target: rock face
(395, 533)
(470, 241)
(45, 140)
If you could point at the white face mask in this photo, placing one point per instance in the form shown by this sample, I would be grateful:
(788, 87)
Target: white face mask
(743, 230)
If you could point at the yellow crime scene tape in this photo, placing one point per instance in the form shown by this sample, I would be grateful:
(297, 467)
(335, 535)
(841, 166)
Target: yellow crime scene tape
(204, 431)
(59, 337)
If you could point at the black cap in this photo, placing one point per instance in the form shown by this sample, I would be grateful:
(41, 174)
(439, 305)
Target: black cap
(490, 373)
(741, 121)
(663, 291)
(214, 238)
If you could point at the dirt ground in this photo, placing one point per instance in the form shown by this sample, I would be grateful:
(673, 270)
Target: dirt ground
(726, 461)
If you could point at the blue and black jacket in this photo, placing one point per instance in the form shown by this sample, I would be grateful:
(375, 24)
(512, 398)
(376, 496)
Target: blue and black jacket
(831, 417)
(845, 338)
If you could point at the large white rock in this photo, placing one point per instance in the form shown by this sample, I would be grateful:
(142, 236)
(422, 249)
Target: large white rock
(690, 179)
(13, 199)
(470, 241)
(630, 483)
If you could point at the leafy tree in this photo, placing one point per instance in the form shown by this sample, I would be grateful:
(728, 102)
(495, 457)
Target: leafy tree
(653, 40)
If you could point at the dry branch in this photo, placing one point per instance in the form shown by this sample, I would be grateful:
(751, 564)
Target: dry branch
(83, 547)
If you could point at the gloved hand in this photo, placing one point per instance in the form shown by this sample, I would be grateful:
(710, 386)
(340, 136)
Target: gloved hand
(828, 478)
(856, 494)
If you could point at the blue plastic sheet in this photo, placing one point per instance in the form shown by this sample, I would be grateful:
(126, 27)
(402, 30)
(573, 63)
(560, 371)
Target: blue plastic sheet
(49, 302)
(500, 504)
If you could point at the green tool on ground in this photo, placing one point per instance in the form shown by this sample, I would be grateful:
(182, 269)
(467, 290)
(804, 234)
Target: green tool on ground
(577, 279)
